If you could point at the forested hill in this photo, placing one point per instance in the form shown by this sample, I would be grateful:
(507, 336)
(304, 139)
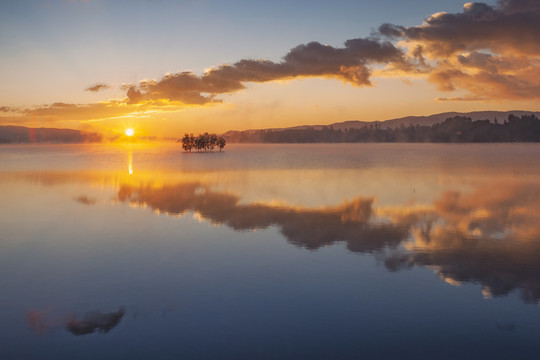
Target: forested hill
(525, 128)
(21, 134)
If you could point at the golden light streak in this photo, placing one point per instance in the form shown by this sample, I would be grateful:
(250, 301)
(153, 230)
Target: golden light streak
(130, 162)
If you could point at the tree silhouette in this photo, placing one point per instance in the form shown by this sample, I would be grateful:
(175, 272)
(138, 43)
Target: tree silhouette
(188, 142)
(203, 142)
(221, 143)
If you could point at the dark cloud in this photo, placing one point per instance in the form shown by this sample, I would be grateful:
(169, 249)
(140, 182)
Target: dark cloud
(97, 87)
(61, 105)
(512, 25)
(493, 52)
(349, 63)
(492, 64)
(519, 6)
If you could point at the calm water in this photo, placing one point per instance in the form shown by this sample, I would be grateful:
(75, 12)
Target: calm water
(345, 251)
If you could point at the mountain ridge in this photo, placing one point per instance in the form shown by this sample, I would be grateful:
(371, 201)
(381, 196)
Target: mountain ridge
(426, 120)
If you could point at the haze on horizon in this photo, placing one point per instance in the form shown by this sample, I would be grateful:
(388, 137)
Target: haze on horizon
(165, 67)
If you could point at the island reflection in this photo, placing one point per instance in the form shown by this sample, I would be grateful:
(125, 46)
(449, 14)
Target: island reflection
(489, 236)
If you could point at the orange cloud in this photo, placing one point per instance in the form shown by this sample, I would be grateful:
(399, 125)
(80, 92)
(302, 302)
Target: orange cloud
(87, 113)
(492, 52)
(314, 59)
(485, 85)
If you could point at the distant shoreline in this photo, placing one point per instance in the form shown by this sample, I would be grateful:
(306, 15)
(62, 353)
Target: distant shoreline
(521, 128)
(25, 135)
(456, 129)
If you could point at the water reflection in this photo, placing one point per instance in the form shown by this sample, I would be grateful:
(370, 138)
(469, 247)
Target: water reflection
(483, 232)
(489, 236)
(85, 200)
(130, 162)
(89, 323)
(352, 222)
(94, 321)
(41, 321)
(238, 251)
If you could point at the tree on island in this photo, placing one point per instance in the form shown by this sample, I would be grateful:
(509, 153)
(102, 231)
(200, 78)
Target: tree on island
(205, 142)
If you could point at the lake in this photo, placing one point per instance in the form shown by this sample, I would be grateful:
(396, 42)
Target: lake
(326, 251)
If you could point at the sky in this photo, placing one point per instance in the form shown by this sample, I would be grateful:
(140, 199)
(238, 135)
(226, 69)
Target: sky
(167, 67)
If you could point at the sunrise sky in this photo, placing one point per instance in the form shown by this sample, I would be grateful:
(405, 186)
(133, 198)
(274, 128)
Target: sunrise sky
(165, 67)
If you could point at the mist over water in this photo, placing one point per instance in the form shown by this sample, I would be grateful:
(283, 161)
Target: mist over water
(270, 251)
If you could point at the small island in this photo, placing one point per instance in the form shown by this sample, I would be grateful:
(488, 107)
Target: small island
(204, 142)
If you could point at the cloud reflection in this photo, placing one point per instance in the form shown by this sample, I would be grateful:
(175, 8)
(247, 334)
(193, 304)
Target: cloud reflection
(41, 321)
(490, 236)
(352, 222)
(95, 321)
(91, 322)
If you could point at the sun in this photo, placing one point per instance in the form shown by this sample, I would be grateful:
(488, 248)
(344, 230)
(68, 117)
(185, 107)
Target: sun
(129, 132)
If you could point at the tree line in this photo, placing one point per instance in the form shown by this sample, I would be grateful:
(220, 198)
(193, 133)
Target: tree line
(20, 134)
(202, 142)
(453, 130)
